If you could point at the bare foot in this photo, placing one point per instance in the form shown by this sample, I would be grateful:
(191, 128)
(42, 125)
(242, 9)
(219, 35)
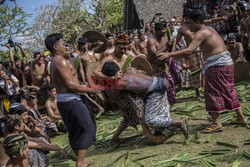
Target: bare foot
(241, 121)
(115, 140)
(156, 139)
(87, 163)
(184, 128)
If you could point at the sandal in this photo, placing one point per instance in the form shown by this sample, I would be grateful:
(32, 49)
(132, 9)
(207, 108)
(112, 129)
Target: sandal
(213, 129)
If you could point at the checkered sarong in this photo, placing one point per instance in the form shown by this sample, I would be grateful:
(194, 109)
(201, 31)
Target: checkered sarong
(131, 106)
(195, 63)
(220, 93)
(171, 89)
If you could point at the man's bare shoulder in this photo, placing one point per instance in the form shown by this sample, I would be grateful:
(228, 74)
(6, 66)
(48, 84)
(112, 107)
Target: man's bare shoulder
(48, 103)
(59, 62)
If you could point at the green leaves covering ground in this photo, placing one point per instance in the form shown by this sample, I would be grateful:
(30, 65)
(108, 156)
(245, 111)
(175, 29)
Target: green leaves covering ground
(218, 149)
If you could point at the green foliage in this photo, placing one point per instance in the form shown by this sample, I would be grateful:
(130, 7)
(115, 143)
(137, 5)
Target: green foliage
(4, 55)
(13, 21)
(73, 18)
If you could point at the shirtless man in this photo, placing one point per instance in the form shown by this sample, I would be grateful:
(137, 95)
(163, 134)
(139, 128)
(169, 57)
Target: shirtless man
(195, 60)
(38, 69)
(218, 68)
(76, 116)
(243, 28)
(51, 104)
(87, 55)
(111, 44)
(141, 45)
(152, 89)
(158, 44)
(235, 48)
(130, 103)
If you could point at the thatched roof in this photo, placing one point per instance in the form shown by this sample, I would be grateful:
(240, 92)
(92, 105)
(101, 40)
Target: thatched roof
(135, 10)
(169, 8)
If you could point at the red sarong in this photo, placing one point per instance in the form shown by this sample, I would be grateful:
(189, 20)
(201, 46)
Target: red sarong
(220, 93)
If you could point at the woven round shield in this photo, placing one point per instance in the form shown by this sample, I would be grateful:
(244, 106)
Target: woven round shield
(94, 36)
(241, 71)
(90, 69)
(140, 62)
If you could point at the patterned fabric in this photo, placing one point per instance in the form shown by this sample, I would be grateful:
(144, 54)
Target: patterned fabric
(157, 112)
(195, 63)
(38, 158)
(163, 72)
(66, 97)
(221, 59)
(185, 78)
(43, 124)
(14, 144)
(131, 106)
(171, 89)
(220, 93)
(174, 71)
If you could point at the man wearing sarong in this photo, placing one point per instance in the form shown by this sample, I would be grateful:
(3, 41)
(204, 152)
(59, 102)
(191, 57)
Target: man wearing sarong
(158, 44)
(130, 103)
(195, 60)
(76, 115)
(153, 90)
(218, 68)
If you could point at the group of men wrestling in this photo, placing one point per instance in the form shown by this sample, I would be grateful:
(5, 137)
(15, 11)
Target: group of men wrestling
(147, 101)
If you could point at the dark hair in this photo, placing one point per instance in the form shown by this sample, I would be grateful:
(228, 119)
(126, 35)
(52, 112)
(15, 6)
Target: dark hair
(16, 58)
(36, 54)
(196, 15)
(23, 66)
(50, 87)
(11, 121)
(160, 26)
(107, 35)
(81, 41)
(52, 40)
(110, 68)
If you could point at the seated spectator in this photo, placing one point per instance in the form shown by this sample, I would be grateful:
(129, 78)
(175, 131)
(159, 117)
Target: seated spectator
(16, 147)
(8, 82)
(52, 109)
(37, 147)
(43, 122)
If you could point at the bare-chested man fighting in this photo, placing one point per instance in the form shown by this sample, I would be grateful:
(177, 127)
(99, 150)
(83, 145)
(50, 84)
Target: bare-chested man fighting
(157, 44)
(218, 68)
(130, 103)
(76, 116)
(195, 59)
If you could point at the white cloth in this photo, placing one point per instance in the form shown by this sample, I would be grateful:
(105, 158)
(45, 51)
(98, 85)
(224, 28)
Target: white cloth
(11, 88)
(221, 59)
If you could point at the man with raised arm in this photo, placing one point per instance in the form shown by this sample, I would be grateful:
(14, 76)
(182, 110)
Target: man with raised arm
(76, 116)
(218, 68)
